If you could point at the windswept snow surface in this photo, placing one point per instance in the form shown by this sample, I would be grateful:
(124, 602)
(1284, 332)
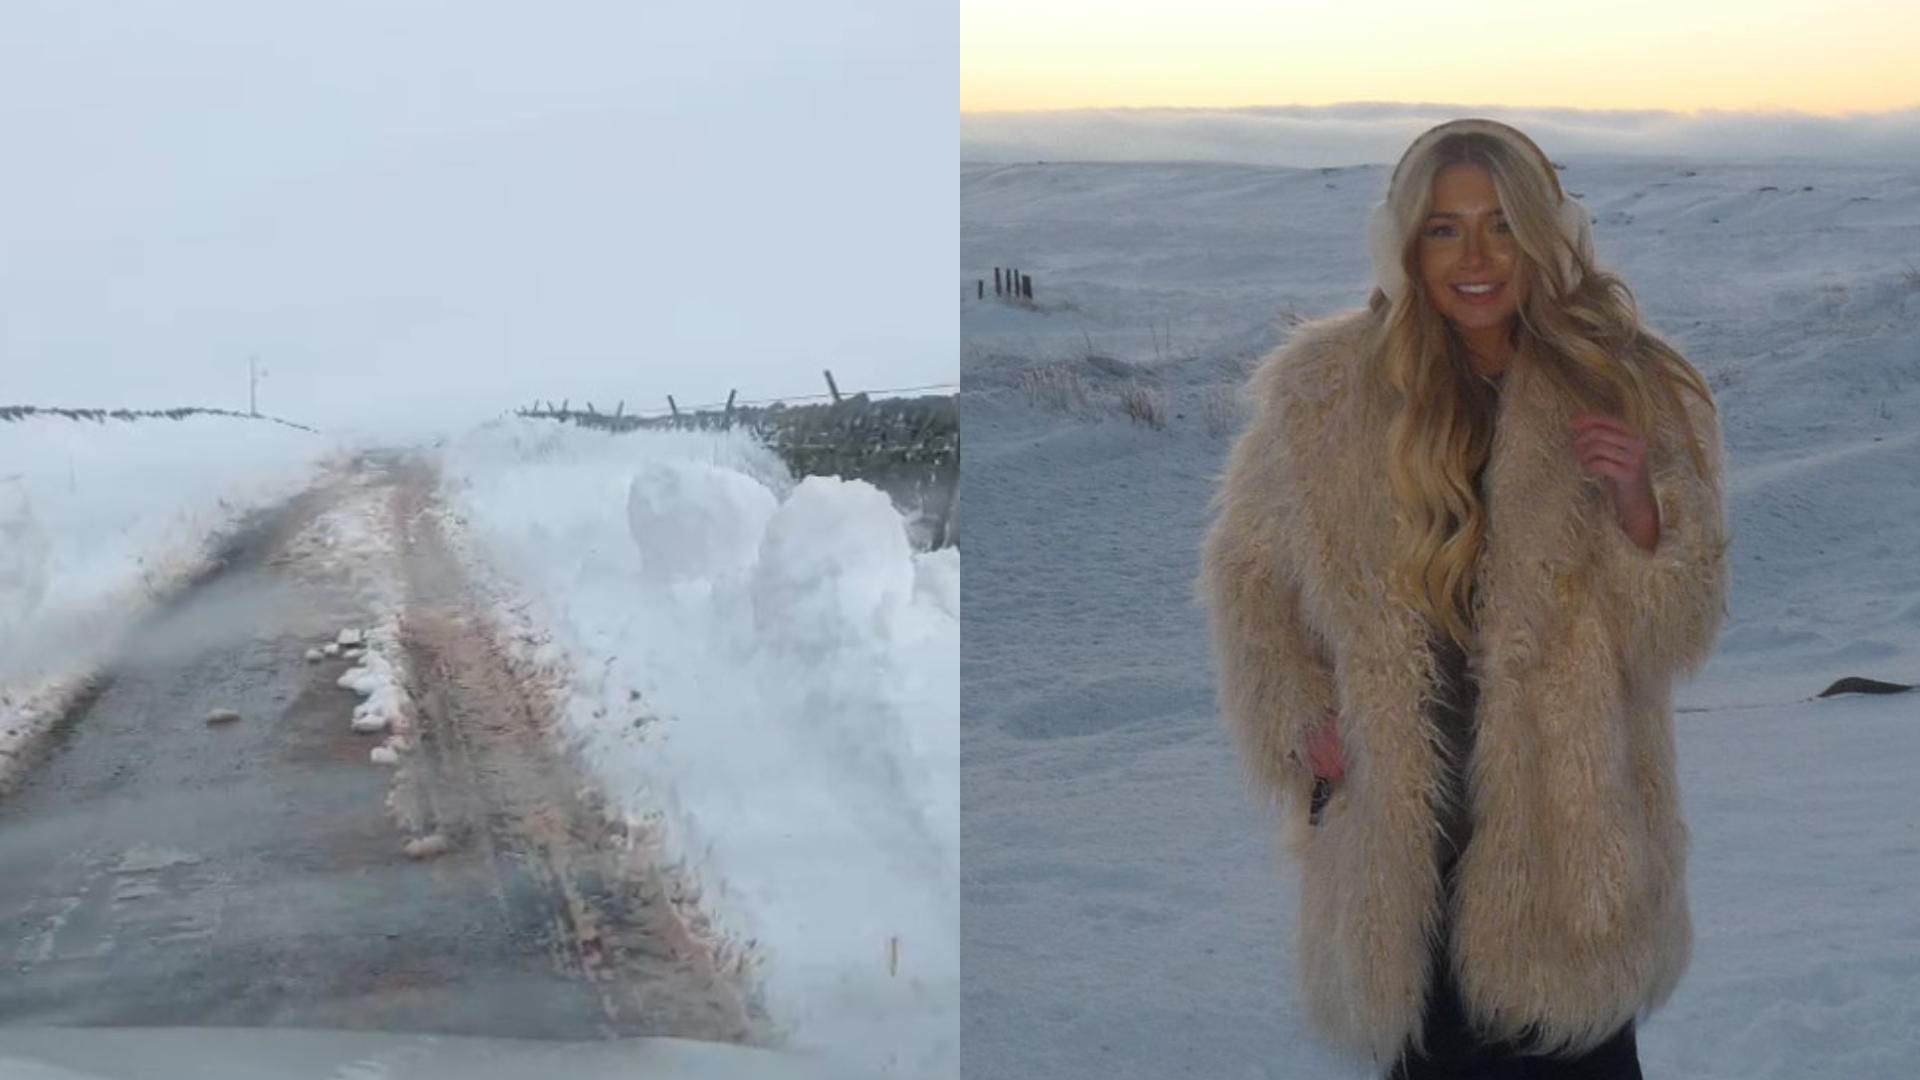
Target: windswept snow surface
(99, 519)
(765, 674)
(1127, 913)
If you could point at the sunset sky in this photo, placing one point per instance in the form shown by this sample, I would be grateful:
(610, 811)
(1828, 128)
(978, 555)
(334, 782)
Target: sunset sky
(1829, 58)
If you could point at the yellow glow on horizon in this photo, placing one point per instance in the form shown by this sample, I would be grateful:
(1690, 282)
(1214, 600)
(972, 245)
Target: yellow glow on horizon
(1841, 56)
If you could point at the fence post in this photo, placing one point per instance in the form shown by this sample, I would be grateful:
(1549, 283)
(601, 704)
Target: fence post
(1026, 286)
(833, 389)
(620, 409)
(674, 408)
(727, 421)
(996, 281)
(982, 295)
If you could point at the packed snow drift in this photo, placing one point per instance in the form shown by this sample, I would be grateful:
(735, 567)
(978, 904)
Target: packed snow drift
(766, 675)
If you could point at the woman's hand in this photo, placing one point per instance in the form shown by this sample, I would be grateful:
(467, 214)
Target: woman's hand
(1323, 751)
(1617, 455)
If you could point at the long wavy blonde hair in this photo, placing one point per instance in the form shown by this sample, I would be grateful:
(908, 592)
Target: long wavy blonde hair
(1581, 329)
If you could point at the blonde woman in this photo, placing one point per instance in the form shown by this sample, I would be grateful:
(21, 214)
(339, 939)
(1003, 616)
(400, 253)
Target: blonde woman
(1471, 538)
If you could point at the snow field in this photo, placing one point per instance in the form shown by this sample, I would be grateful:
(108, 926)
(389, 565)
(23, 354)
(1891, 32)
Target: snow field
(1127, 912)
(763, 675)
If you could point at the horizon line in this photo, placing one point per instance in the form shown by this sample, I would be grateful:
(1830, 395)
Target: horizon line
(1763, 110)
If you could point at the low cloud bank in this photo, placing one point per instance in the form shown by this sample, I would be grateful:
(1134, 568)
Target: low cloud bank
(1370, 133)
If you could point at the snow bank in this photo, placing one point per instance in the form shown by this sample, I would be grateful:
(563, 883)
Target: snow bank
(691, 520)
(764, 674)
(98, 520)
(834, 567)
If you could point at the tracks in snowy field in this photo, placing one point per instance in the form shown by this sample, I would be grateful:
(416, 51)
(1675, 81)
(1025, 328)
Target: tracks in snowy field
(158, 870)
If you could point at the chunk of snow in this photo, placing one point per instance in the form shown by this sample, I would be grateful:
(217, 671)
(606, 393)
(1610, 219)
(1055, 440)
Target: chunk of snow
(384, 755)
(361, 680)
(314, 656)
(331, 649)
(349, 638)
(694, 520)
(834, 566)
(431, 846)
(222, 716)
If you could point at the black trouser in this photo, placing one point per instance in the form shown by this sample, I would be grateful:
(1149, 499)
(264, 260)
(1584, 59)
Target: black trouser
(1455, 1052)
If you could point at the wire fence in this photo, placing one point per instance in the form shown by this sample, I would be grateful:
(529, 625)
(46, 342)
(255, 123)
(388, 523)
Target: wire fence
(907, 446)
(546, 408)
(11, 413)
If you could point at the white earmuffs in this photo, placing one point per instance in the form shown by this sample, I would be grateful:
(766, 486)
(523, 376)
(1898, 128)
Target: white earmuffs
(1384, 232)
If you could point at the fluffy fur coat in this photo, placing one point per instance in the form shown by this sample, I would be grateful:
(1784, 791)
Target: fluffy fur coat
(1570, 913)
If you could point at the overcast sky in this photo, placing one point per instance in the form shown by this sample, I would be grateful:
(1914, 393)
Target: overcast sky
(1312, 136)
(460, 206)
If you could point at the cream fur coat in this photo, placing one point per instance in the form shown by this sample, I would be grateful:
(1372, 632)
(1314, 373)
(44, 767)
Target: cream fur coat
(1571, 909)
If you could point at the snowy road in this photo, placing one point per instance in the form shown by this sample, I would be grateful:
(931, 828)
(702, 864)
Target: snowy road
(156, 869)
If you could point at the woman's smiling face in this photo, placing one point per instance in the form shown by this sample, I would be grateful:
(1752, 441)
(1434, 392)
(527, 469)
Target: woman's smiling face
(1470, 262)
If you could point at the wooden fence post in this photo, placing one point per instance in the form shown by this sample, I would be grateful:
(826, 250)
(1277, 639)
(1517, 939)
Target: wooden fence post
(675, 409)
(996, 281)
(727, 421)
(1026, 286)
(982, 294)
(832, 389)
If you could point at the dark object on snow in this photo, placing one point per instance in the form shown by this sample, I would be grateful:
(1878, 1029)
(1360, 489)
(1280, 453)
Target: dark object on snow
(222, 716)
(1855, 685)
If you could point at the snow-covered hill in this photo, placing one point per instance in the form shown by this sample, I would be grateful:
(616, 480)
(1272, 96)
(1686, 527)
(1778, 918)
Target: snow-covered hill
(1126, 914)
